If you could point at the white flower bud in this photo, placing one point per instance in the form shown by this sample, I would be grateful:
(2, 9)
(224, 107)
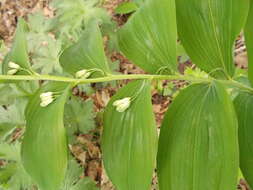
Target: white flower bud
(13, 65)
(46, 95)
(122, 104)
(46, 102)
(12, 72)
(83, 74)
(46, 99)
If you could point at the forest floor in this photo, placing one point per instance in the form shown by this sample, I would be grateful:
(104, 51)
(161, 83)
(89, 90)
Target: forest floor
(10, 10)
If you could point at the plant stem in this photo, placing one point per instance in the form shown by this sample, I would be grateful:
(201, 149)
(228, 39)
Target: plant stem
(16, 78)
(13, 78)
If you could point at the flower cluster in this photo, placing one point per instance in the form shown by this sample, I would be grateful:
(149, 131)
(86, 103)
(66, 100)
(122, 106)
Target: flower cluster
(13, 68)
(122, 104)
(46, 99)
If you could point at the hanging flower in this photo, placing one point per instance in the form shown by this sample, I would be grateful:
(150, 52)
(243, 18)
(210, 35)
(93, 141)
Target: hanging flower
(46, 99)
(13, 68)
(12, 71)
(83, 74)
(13, 65)
(122, 104)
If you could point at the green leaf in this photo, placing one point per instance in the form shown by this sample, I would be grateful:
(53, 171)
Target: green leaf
(87, 53)
(73, 175)
(18, 53)
(44, 48)
(84, 184)
(198, 146)
(126, 7)
(14, 91)
(7, 95)
(6, 130)
(248, 32)
(87, 88)
(25, 88)
(129, 141)
(78, 117)
(76, 14)
(6, 173)
(13, 175)
(139, 2)
(73, 180)
(44, 147)
(39, 23)
(12, 117)
(208, 29)
(3, 52)
(181, 53)
(149, 37)
(20, 180)
(244, 105)
(10, 152)
(45, 52)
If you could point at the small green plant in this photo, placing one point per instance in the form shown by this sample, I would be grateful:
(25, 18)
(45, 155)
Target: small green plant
(205, 132)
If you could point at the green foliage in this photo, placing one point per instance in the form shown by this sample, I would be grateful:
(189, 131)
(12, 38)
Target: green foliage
(44, 48)
(208, 30)
(243, 105)
(70, 12)
(248, 31)
(3, 52)
(183, 57)
(126, 7)
(198, 141)
(19, 52)
(90, 56)
(130, 136)
(13, 102)
(150, 44)
(8, 94)
(45, 132)
(139, 2)
(38, 23)
(13, 175)
(78, 117)
(76, 14)
(195, 73)
(11, 117)
(73, 180)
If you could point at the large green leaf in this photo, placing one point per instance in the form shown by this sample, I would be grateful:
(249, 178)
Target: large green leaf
(244, 108)
(248, 32)
(149, 37)
(198, 146)
(44, 148)
(208, 29)
(18, 53)
(87, 53)
(129, 141)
